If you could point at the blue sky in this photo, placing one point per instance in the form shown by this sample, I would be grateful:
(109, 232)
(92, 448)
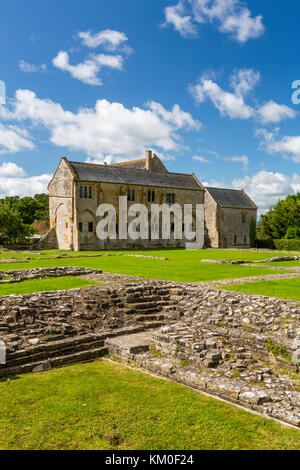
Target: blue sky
(206, 84)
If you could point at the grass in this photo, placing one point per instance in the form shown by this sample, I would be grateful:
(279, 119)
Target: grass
(282, 289)
(44, 285)
(182, 265)
(106, 406)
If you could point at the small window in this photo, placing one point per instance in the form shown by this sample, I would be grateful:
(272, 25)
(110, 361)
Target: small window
(149, 196)
(244, 217)
(80, 226)
(129, 195)
(90, 192)
(245, 240)
(81, 192)
(172, 228)
(85, 192)
(170, 198)
(153, 196)
(133, 195)
(235, 239)
(91, 227)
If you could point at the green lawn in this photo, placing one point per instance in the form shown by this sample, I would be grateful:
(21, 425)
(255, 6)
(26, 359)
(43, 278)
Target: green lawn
(182, 265)
(283, 289)
(107, 406)
(43, 285)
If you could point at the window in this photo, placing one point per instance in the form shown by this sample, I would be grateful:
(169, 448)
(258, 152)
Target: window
(245, 240)
(85, 192)
(170, 198)
(153, 196)
(80, 226)
(90, 192)
(133, 195)
(91, 227)
(235, 239)
(81, 192)
(149, 196)
(172, 228)
(129, 195)
(244, 217)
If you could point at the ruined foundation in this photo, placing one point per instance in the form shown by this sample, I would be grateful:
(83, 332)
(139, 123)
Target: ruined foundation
(242, 348)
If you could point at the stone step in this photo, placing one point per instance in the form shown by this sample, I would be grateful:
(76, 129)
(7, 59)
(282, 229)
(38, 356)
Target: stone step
(158, 317)
(141, 299)
(146, 305)
(145, 311)
(48, 354)
(58, 361)
(64, 343)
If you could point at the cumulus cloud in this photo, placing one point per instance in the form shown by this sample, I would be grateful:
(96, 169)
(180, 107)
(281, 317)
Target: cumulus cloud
(175, 15)
(230, 16)
(14, 139)
(26, 186)
(272, 112)
(11, 169)
(31, 68)
(108, 129)
(108, 38)
(227, 103)
(87, 71)
(287, 146)
(233, 104)
(264, 188)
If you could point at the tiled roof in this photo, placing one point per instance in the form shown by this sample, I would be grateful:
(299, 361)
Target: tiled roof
(123, 175)
(231, 198)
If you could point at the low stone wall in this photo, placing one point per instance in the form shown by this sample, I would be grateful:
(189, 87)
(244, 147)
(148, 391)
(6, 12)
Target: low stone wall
(23, 275)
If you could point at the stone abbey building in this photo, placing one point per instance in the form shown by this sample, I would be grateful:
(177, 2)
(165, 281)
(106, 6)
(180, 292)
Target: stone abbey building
(77, 189)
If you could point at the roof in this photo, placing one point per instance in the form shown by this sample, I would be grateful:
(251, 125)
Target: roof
(121, 175)
(231, 198)
(137, 164)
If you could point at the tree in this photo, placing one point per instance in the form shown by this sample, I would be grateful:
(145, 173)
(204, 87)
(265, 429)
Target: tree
(275, 223)
(12, 229)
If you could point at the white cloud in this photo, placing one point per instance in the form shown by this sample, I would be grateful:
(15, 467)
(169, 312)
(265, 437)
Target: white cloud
(14, 139)
(233, 104)
(272, 112)
(264, 188)
(108, 129)
(11, 169)
(231, 17)
(181, 22)
(239, 159)
(31, 68)
(108, 38)
(288, 146)
(200, 159)
(228, 104)
(28, 186)
(87, 71)
(244, 80)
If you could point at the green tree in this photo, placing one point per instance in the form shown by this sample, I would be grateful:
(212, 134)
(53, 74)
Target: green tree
(275, 223)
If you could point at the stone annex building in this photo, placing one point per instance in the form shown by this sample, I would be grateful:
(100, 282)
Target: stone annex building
(77, 189)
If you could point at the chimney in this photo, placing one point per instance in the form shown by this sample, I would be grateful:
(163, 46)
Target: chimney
(148, 159)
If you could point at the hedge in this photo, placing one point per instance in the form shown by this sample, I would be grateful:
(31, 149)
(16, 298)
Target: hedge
(284, 244)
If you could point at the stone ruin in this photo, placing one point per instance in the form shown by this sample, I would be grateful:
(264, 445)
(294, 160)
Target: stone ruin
(242, 348)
